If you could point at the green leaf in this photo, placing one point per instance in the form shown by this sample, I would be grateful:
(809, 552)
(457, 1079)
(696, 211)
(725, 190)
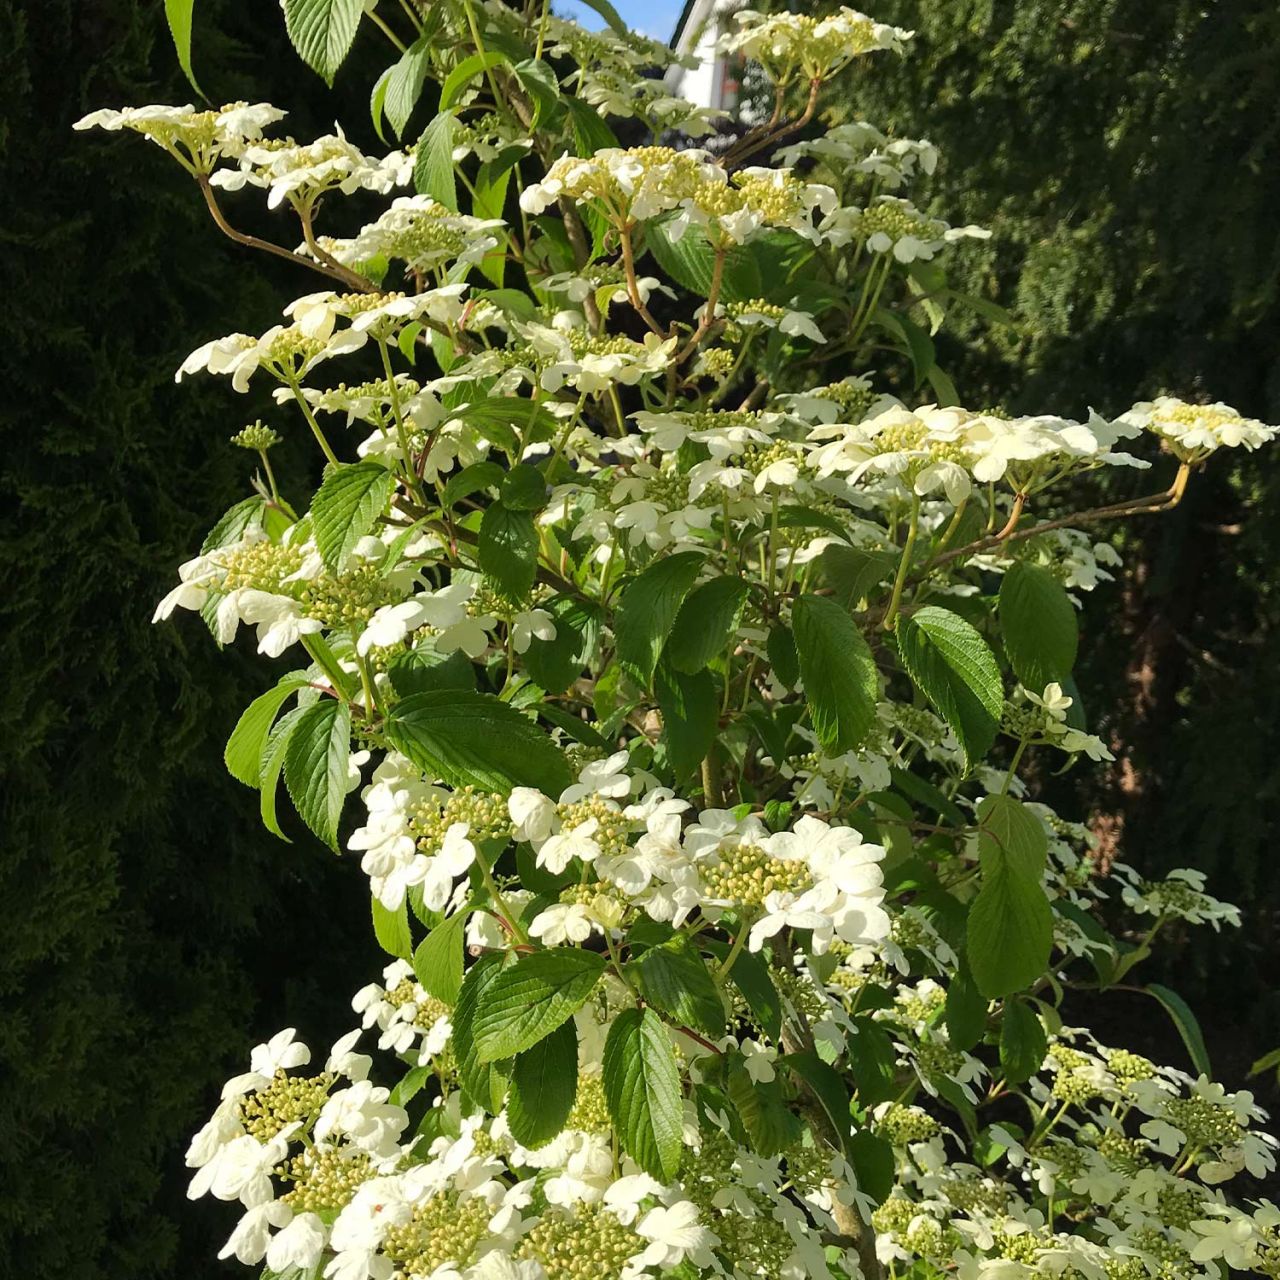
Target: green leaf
(690, 261)
(853, 573)
(1023, 1043)
(471, 479)
(405, 81)
(556, 664)
(610, 15)
(690, 707)
(391, 928)
(438, 960)
(424, 670)
(769, 1122)
(377, 103)
(485, 1083)
(706, 623)
(178, 15)
(272, 765)
(872, 1160)
(750, 974)
(433, 168)
(952, 666)
(642, 1089)
(467, 70)
(322, 31)
(839, 673)
(673, 977)
(234, 524)
(1188, 1027)
(1010, 925)
(780, 648)
(475, 739)
(590, 132)
(873, 1062)
(542, 84)
(544, 1084)
(648, 610)
(508, 550)
(500, 418)
(524, 489)
(315, 766)
(243, 754)
(1039, 626)
(349, 500)
(966, 1011)
(532, 998)
(830, 1090)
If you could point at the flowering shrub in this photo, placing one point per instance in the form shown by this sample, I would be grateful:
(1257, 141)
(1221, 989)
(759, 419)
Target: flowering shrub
(684, 675)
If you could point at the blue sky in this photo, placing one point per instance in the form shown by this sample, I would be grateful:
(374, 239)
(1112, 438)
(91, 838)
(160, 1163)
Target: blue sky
(656, 18)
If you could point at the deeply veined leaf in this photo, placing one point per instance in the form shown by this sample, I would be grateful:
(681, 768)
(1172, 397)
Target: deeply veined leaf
(532, 998)
(437, 962)
(1023, 1043)
(707, 621)
(873, 1162)
(508, 550)
(966, 1010)
(690, 261)
(424, 670)
(853, 573)
(648, 610)
(315, 766)
(467, 70)
(391, 928)
(405, 81)
(690, 707)
(610, 15)
(769, 1122)
(951, 664)
(1010, 924)
(475, 739)
(485, 1083)
(233, 524)
(673, 977)
(243, 754)
(323, 31)
(1038, 623)
(178, 14)
(780, 648)
(642, 1089)
(838, 670)
(555, 664)
(433, 168)
(524, 489)
(508, 422)
(1188, 1026)
(539, 80)
(272, 766)
(349, 500)
(544, 1084)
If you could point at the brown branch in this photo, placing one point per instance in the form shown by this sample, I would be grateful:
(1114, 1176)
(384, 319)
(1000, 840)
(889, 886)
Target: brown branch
(256, 242)
(736, 155)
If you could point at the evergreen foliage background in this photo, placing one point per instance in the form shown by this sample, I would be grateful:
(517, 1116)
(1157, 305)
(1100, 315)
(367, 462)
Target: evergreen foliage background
(1125, 153)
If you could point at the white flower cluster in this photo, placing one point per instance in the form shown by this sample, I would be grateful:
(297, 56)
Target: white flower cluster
(787, 44)
(1194, 431)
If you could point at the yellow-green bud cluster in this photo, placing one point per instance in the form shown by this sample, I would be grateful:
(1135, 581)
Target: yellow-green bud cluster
(893, 1217)
(1069, 1084)
(920, 1006)
(1205, 1123)
(577, 755)
(612, 831)
(745, 875)
(936, 1058)
(1180, 1204)
(429, 1011)
(800, 991)
(1174, 896)
(256, 436)
(324, 1178)
(1129, 1066)
(594, 1245)
(895, 220)
(903, 1124)
(756, 457)
(484, 812)
(1172, 1261)
(716, 362)
(442, 1229)
(291, 351)
(669, 489)
(262, 566)
(985, 1194)
(347, 599)
(854, 397)
(1127, 1155)
(590, 1112)
(911, 932)
(285, 1100)
(1021, 1246)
